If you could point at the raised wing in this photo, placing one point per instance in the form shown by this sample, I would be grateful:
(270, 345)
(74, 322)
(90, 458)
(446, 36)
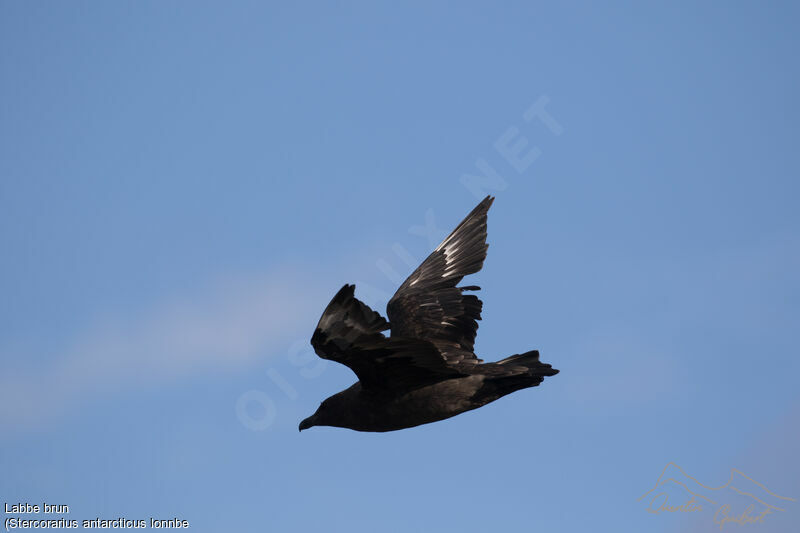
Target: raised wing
(429, 306)
(347, 319)
(349, 332)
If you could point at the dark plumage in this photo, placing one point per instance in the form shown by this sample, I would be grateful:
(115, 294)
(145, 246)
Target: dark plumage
(426, 370)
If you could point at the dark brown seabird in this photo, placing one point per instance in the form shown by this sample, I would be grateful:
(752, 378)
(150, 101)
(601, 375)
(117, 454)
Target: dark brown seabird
(426, 370)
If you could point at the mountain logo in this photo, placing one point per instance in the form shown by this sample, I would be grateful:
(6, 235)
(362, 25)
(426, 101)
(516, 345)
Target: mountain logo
(741, 500)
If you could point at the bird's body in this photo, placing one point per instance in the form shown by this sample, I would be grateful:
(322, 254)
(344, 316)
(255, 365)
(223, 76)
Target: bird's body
(426, 370)
(376, 411)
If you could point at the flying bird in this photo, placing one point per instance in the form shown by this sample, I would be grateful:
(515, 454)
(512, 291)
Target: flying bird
(426, 370)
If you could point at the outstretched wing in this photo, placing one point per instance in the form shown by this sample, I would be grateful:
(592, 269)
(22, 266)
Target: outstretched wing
(429, 306)
(350, 333)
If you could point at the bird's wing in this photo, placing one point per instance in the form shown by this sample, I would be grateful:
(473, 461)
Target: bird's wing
(429, 306)
(350, 333)
(347, 318)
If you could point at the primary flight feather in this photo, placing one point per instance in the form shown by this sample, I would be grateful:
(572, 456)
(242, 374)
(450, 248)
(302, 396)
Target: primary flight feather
(426, 370)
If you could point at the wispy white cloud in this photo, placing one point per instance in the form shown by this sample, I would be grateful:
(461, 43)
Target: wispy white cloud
(229, 326)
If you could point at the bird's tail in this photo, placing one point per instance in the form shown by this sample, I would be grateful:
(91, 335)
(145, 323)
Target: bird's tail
(513, 373)
(529, 361)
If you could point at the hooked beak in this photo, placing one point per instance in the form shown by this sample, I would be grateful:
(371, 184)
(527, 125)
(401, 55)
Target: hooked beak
(307, 423)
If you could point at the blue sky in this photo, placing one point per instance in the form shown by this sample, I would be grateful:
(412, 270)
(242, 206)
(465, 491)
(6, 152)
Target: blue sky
(184, 186)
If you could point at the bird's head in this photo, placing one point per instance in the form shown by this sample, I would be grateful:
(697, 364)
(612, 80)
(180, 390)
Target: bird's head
(325, 415)
(337, 410)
